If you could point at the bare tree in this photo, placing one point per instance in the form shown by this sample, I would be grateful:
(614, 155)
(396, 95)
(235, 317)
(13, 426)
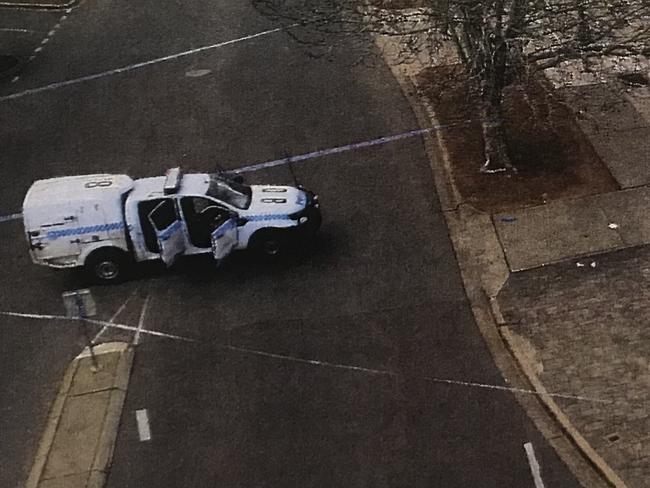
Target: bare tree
(497, 41)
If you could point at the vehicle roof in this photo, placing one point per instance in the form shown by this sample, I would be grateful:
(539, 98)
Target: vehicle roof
(191, 184)
(76, 188)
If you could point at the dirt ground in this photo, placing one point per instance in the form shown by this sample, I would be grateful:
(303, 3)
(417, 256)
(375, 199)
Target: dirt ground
(552, 156)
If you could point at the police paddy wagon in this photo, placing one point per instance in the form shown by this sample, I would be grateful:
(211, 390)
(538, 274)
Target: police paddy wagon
(104, 222)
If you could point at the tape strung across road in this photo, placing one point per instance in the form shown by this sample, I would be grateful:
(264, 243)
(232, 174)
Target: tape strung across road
(8, 218)
(103, 323)
(347, 147)
(313, 362)
(317, 154)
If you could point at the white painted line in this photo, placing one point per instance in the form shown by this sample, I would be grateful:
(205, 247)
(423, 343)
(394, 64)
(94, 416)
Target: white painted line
(135, 66)
(38, 49)
(534, 465)
(348, 147)
(14, 216)
(15, 79)
(143, 312)
(52, 31)
(96, 322)
(45, 40)
(115, 315)
(143, 425)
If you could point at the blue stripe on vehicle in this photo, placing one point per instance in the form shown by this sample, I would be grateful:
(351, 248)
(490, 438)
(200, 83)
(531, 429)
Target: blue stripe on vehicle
(76, 231)
(167, 233)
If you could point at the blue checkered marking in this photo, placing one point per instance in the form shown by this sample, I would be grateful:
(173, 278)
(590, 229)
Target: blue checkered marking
(268, 217)
(165, 234)
(220, 231)
(76, 231)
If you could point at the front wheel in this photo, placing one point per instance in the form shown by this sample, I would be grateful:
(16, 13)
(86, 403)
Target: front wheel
(268, 243)
(107, 266)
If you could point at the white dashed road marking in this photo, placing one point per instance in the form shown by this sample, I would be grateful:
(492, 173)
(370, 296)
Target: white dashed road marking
(534, 465)
(142, 419)
(135, 66)
(44, 41)
(197, 73)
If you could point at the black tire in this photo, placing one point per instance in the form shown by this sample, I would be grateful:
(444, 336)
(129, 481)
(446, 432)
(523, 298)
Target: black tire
(268, 244)
(107, 266)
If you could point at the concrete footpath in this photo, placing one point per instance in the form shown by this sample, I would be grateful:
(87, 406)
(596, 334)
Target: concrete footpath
(77, 445)
(561, 291)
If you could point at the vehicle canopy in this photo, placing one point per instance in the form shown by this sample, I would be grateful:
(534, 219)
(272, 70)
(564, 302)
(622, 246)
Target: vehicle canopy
(47, 200)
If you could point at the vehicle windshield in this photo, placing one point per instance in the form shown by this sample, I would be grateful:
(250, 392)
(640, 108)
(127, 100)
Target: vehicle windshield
(236, 194)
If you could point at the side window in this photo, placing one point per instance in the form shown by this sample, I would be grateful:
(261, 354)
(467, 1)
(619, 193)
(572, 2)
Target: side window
(165, 214)
(144, 209)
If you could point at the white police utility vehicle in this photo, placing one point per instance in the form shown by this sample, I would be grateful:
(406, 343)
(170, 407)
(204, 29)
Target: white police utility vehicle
(104, 222)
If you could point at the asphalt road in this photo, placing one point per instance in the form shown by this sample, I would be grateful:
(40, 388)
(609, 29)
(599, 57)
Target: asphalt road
(335, 367)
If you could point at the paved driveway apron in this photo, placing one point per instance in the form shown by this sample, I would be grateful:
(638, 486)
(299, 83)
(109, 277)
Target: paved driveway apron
(380, 291)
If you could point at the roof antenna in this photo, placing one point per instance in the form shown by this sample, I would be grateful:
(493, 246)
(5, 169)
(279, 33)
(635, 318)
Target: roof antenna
(291, 170)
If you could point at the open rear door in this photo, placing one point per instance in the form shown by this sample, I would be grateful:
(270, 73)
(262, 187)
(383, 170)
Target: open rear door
(224, 238)
(169, 231)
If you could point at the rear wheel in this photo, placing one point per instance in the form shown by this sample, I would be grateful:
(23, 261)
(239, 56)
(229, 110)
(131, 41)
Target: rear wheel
(107, 266)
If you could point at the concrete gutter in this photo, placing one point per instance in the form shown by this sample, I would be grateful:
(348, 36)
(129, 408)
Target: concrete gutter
(77, 446)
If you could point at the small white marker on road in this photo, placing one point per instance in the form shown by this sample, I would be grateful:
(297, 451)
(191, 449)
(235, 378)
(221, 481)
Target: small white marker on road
(144, 431)
(534, 465)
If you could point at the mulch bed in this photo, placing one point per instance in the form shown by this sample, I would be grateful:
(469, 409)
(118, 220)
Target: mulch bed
(554, 159)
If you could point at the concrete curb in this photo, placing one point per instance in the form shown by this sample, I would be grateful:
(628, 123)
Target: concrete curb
(599, 463)
(53, 419)
(466, 226)
(50, 468)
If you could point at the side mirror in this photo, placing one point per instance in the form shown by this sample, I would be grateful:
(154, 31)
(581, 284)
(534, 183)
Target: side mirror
(238, 179)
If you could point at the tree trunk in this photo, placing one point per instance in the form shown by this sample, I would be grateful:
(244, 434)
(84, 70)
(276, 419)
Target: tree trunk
(494, 139)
